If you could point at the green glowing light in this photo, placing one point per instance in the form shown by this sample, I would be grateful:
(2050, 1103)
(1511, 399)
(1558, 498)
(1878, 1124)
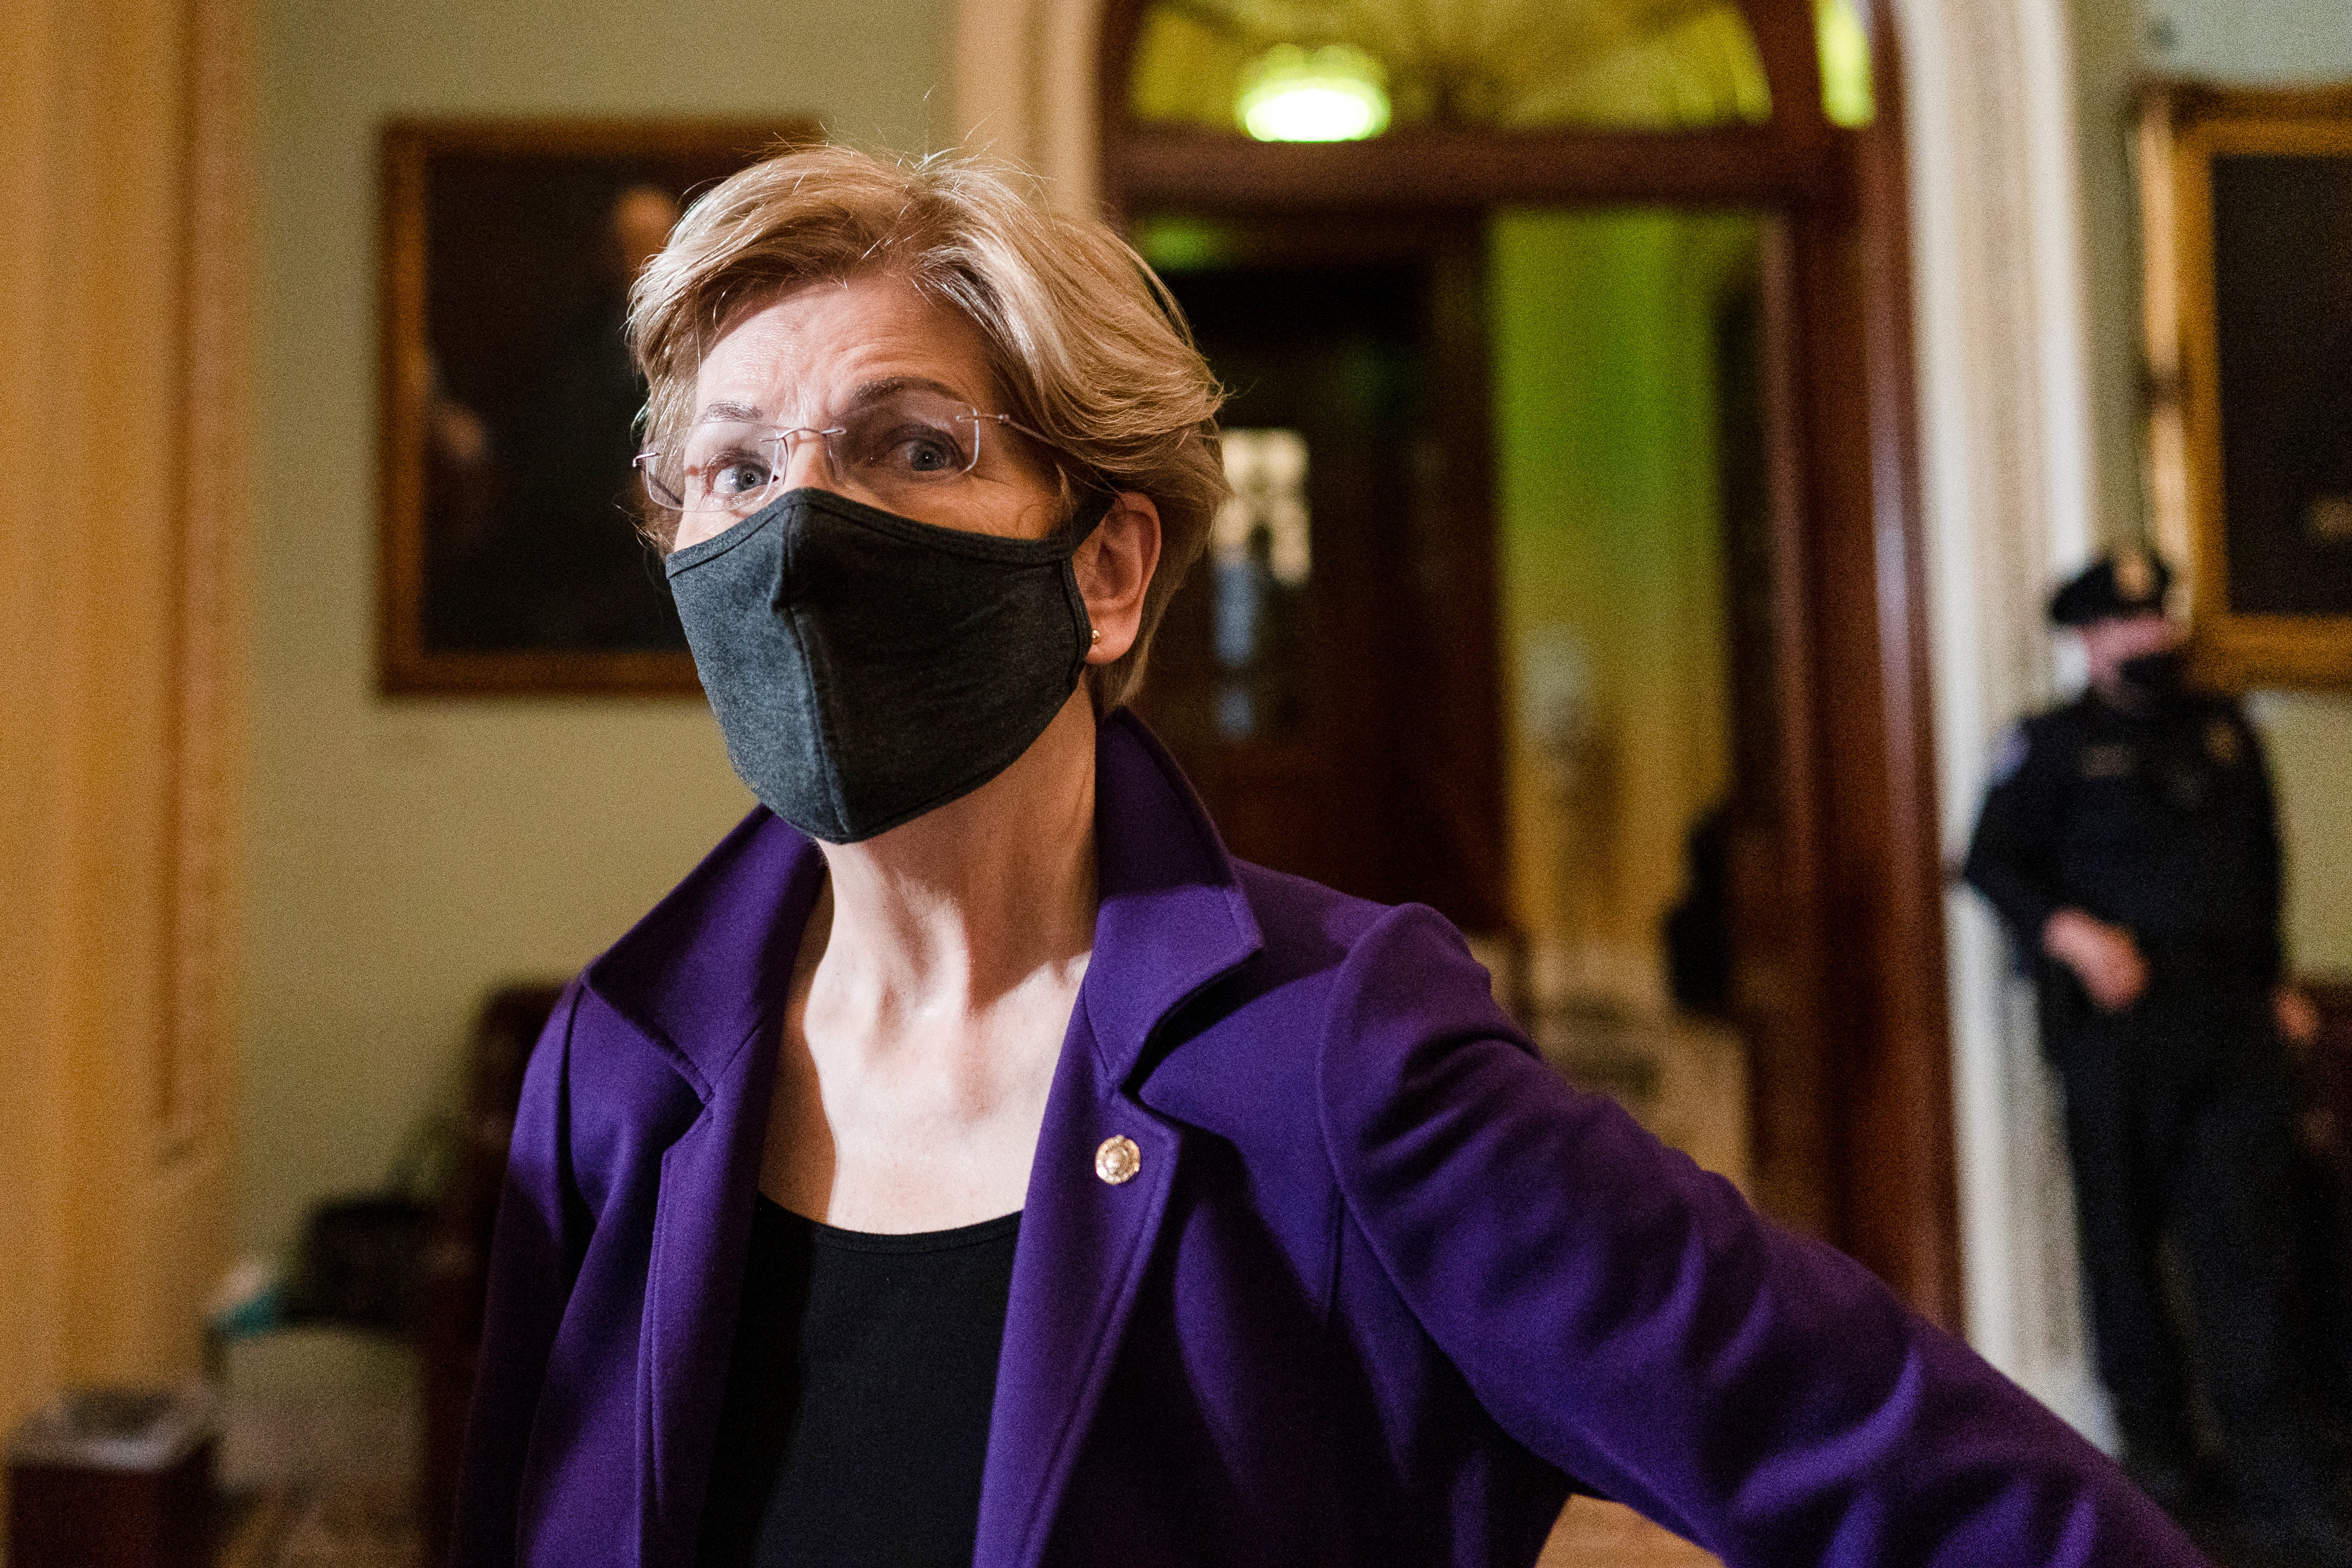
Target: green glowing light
(1847, 98)
(1334, 94)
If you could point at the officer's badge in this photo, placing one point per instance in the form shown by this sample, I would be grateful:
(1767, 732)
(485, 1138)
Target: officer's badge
(2135, 577)
(2223, 744)
(2111, 761)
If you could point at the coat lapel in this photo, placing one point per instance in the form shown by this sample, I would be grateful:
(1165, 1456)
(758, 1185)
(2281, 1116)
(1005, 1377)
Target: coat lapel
(705, 978)
(694, 1285)
(1085, 1244)
(1171, 921)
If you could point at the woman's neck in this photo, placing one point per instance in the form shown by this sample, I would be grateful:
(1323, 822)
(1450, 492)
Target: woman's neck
(934, 989)
(969, 903)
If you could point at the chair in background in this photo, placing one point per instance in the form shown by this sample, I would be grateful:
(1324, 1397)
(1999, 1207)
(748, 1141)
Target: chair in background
(457, 1249)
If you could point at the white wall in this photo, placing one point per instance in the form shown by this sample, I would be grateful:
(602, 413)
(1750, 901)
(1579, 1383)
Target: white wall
(2013, 479)
(405, 856)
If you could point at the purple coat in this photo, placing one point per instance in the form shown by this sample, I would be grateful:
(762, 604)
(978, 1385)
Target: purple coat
(1383, 1285)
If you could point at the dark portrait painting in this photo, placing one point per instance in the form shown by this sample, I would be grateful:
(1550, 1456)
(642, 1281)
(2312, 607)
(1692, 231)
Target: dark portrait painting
(512, 555)
(2246, 207)
(2283, 309)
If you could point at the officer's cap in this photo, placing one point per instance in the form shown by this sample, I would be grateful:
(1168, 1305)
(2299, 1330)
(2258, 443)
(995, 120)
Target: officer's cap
(2123, 582)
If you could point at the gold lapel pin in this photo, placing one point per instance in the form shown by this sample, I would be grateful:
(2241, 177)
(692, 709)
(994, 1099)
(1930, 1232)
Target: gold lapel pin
(1118, 1159)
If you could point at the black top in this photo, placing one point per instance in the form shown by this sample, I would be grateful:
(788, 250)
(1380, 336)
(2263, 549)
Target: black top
(2159, 822)
(855, 1419)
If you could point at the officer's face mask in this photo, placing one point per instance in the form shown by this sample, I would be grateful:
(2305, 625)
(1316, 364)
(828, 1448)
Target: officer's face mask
(866, 667)
(2158, 675)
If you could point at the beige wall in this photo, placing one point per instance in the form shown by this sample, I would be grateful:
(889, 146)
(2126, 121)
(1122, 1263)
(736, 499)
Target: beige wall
(403, 856)
(2310, 736)
(2249, 41)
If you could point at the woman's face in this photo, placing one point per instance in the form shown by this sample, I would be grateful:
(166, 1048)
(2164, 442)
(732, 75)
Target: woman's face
(815, 357)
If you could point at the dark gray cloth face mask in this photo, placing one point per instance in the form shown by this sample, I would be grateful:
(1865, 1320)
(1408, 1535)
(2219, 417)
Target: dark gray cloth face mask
(866, 667)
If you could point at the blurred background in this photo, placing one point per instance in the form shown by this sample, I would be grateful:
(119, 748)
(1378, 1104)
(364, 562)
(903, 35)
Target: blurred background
(1655, 425)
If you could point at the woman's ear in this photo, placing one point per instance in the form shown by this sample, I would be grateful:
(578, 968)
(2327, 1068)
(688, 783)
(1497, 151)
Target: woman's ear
(1114, 567)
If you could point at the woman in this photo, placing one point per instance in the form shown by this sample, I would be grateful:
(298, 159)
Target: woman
(970, 1162)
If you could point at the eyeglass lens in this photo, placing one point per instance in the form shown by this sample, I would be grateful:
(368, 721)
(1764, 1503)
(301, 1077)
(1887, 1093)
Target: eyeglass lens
(888, 448)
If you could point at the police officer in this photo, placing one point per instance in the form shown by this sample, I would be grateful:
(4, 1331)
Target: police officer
(2129, 842)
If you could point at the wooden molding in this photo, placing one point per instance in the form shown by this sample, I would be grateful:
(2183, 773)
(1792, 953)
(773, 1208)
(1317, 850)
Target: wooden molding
(195, 1067)
(1470, 170)
(126, 146)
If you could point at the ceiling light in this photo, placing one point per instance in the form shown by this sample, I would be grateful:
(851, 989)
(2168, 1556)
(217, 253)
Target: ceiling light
(1334, 94)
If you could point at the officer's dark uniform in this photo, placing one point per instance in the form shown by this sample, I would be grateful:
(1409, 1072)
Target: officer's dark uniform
(2178, 1118)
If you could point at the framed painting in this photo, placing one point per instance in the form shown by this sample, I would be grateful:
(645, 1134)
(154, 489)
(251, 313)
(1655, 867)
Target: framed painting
(2246, 200)
(511, 560)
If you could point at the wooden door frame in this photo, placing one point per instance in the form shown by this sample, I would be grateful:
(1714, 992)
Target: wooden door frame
(1854, 1119)
(1465, 827)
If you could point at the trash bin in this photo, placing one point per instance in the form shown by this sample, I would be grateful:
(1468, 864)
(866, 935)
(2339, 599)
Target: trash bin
(114, 1477)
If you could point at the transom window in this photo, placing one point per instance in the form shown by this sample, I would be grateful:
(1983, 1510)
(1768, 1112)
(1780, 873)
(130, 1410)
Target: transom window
(1505, 64)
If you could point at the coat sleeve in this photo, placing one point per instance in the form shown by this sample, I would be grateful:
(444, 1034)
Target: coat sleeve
(534, 1260)
(2013, 854)
(1627, 1318)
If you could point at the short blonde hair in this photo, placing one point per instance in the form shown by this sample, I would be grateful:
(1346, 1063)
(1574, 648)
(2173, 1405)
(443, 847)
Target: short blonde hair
(1088, 347)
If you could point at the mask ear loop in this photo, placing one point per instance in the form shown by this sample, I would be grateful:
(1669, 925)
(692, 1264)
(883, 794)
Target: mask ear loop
(1085, 516)
(1092, 508)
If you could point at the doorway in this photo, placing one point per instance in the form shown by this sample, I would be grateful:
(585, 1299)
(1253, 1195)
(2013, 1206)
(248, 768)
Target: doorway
(1466, 636)
(1328, 675)
(1826, 856)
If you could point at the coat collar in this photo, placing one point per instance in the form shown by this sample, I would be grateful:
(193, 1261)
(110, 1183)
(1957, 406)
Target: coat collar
(706, 971)
(1172, 917)
(705, 974)
(704, 978)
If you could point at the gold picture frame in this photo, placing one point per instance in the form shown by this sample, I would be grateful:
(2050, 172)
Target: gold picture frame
(508, 562)
(2246, 210)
